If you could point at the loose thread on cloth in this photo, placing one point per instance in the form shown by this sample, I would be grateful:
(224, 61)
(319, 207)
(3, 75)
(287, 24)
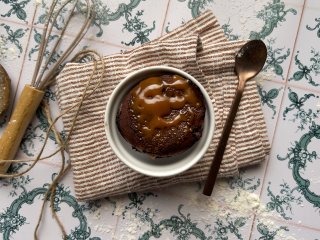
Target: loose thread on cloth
(53, 185)
(65, 167)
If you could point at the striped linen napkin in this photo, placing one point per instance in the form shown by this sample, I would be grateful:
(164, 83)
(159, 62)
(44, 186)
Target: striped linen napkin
(199, 48)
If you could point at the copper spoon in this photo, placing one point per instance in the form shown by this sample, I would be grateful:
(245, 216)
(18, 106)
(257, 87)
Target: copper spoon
(248, 63)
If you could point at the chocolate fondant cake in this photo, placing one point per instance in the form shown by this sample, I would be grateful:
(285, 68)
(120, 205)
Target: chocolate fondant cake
(162, 115)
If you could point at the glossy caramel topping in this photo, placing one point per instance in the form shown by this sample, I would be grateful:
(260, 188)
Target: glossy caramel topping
(155, 98)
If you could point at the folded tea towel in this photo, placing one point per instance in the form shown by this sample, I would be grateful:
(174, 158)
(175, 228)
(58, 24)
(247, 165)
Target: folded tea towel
(199, 48)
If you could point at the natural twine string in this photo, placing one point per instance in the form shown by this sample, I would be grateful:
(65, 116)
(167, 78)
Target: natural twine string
(65, 167)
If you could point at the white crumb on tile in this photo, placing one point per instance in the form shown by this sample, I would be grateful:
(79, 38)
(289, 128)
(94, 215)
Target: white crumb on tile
(97, 215)
(226, 201)
(281, 234)
(101, 228)
(120, 206)
(264, 76)
(38, 2)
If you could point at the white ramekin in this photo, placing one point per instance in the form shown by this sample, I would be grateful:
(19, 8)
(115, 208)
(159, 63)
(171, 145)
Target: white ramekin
(142, 162)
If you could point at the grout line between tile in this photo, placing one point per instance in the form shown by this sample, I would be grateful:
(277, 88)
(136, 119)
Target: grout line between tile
(291, 223)
(101, 41)
(281, 101)
(285, 83)
(295, 42)
(252, 225)
(255, 215)
(23, 61)
(15, 22)
(275, 81)
(278, 117)
(295, 85)
(32, 26)
(315, 90)
(115, 229)
(165, 18)
(89, 38)
(106, 43)
(287, 76)
(50, 164)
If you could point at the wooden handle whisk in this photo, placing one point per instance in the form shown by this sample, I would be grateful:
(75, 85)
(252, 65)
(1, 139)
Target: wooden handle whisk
(44, 74)
(23, 114)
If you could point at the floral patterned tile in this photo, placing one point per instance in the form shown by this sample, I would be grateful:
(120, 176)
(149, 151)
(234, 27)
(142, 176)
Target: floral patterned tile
(242, 20)
(100, 46)
(20, 196)
(24, 194)
(227, 190)
(149, 216)
(14, 38)
(274, 22)
(18, 10)
(312, 4)
(116, 21)
(270, 21)
(135, 24)
(100, 217)
(34, 45)
(249, 181)
(275, 230)
(292, 183)
(13, 41)
(305, 70)
(287, 195)
(76, 21)
(181, 11)
(270, 96)
(35, 135)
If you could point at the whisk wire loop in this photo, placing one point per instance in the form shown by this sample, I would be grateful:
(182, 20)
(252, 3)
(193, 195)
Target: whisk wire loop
(40, 80)
(48, 33)
(42, 43)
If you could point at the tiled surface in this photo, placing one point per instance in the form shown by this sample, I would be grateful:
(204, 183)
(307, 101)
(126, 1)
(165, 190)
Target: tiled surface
(277, 230)
(305, 69)
(279, 199)
(18, 11)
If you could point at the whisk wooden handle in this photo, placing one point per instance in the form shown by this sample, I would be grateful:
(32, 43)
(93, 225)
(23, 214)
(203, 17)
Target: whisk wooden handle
(22, 115)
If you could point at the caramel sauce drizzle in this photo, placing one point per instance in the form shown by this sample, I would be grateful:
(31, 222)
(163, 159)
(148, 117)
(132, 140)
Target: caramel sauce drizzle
(153, 99)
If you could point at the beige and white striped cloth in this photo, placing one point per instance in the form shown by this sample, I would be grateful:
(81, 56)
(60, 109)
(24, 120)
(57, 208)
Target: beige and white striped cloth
(199, 48)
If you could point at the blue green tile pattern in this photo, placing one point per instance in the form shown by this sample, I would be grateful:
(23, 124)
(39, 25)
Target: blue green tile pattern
(283, 192)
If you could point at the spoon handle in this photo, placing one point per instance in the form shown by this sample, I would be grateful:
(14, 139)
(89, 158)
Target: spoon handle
(215, 165)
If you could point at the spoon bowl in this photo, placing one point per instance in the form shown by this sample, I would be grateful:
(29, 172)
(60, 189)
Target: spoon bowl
(248, 63)
(250, 59)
